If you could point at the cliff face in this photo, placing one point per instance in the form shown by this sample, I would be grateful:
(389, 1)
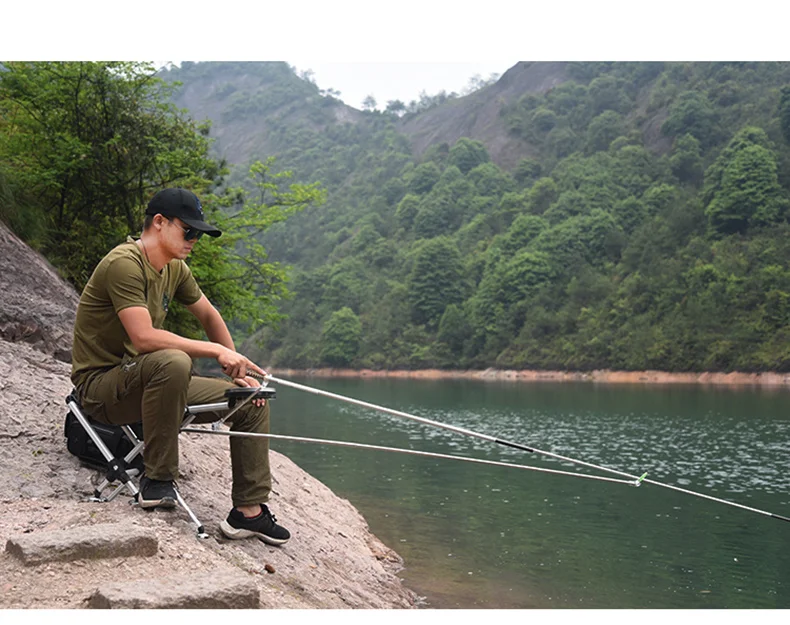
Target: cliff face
(37, 307)
(332, 561)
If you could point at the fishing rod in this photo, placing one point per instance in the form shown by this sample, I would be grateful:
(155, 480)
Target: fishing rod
(633, 480)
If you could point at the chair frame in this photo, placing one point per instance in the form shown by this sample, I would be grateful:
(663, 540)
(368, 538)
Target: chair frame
(118, 472)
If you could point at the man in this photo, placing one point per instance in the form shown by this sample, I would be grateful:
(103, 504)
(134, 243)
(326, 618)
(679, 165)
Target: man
(126, 368)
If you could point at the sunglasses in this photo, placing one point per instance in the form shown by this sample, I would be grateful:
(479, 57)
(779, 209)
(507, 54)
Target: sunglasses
(189, 233)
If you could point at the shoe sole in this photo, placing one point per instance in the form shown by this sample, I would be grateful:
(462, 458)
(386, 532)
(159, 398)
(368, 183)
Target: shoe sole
(165, 502)
(237, 534)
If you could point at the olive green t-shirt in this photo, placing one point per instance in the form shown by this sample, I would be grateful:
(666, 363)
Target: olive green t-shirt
(122, 279)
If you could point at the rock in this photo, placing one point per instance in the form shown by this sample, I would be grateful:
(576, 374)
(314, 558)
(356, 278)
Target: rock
(107, 540)
(36, 305)
(212, 591)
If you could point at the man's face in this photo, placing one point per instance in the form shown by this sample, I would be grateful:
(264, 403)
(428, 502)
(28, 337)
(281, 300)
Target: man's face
(173, 238)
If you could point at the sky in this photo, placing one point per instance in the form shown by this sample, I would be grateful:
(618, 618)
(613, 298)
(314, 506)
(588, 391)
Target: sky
(393, 80)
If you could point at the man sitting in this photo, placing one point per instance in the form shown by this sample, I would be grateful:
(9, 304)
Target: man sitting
(126, 368)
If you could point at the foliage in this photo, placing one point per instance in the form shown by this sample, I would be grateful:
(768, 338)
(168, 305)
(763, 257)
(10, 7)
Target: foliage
(86, 144)
(435, 280)
(692, 114)
(784, 113)
(467, 154)
(340, 338)
(233, 270)
(743, 187)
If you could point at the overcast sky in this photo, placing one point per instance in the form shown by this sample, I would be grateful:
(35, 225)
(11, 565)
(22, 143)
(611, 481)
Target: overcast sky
(398, 81)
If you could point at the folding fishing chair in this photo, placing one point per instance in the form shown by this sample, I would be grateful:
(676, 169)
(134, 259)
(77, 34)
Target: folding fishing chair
(118, 449)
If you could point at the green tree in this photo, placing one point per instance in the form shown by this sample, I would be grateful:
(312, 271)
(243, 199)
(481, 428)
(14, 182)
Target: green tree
(438, 215)
(396, 106)
(467, 154)
(692, 114)
(784, 112)
(423, 177)
(233, 270)
(605, 94)
(436, 280)
(490, 180)
(407, 210)
(453, 329)
(523, 230)
(686, 159)
(527, 171)
(543, 120)
(542, 195)
(562, 141)
(340, 338)
(602, 130)
(89, 143)
(750, 192)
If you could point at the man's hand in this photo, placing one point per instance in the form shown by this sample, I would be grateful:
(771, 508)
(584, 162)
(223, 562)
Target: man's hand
(235, 365)
(250, 382)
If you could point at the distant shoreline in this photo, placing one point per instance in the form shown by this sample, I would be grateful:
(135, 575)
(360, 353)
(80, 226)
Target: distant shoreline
(733, 379)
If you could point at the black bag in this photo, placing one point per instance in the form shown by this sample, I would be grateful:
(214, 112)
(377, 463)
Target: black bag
(81, 445)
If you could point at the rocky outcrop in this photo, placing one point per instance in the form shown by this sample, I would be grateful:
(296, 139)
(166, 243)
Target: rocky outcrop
(64, 551)
(36, 305)
(211, 591)
(108, 540)
(332, 561)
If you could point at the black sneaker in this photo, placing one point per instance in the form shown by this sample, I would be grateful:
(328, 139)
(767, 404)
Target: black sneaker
(264, 526)
(156, 493)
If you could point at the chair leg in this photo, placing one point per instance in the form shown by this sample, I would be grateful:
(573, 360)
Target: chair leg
(200, 530)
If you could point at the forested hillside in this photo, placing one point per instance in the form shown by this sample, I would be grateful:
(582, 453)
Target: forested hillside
(648, 229)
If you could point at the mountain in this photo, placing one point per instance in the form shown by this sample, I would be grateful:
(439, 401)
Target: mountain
(248, 103)
(568, 216)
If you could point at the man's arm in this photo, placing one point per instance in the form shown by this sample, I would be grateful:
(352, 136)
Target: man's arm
(217, 331)
(212, 322)
(136, 321)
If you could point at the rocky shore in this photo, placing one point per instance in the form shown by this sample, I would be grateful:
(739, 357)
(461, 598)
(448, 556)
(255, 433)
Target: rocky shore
(733, 379)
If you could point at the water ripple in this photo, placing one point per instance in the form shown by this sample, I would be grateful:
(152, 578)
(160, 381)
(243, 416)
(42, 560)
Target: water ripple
(714, 452)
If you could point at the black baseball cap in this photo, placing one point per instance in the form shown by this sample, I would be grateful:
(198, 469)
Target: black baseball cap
(185, 205)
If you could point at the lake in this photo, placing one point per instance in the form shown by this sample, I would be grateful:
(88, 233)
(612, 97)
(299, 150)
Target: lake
(479, 536)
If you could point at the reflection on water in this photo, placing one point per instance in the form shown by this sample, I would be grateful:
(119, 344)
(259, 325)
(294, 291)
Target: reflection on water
(481, 536)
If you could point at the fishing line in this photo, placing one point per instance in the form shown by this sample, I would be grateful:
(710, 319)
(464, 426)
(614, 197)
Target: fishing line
(633, 480)
(414, 452)
(446, 426)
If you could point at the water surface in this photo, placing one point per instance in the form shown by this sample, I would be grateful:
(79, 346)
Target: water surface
(476, 536)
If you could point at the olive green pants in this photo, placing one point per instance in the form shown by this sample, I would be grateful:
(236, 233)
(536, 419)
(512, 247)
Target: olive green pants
(155, 388)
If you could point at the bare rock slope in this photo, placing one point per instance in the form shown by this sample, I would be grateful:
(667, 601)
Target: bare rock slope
(36, 305)
(332, 560)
